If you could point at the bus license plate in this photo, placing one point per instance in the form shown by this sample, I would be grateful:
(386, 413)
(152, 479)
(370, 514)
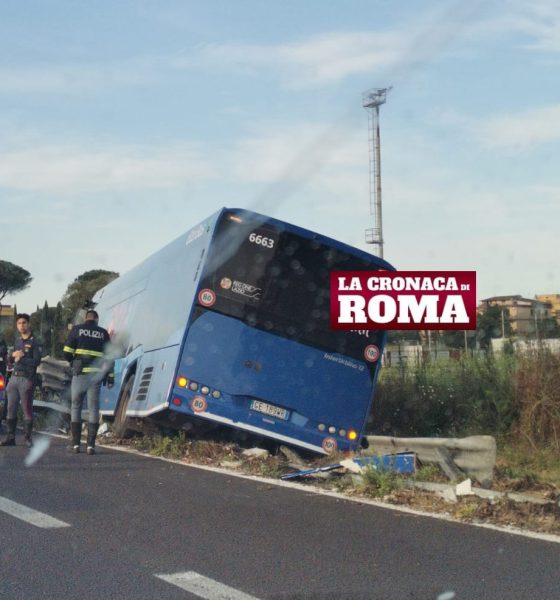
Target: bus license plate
(269, 409)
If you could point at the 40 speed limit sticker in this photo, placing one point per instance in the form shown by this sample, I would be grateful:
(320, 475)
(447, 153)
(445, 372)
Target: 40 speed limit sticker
(199, 404)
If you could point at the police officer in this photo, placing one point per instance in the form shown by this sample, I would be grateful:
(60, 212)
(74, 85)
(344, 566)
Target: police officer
(3, 356)
(85, 350)
(25, 358)
(3, 362)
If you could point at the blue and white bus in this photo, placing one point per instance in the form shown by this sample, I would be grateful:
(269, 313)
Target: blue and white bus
(229, 325)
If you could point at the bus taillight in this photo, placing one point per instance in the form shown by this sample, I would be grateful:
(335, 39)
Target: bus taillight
(352, 435)
(2, 382)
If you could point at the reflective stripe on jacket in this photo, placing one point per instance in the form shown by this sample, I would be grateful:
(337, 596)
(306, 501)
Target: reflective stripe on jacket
(86, 343)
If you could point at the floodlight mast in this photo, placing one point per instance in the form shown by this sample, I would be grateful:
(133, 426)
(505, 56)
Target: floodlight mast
(371, 101)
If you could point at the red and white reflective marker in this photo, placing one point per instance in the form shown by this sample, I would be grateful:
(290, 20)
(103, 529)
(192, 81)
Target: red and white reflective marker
(199, 404)
(207, 297)
(371, 353)
(329, 445)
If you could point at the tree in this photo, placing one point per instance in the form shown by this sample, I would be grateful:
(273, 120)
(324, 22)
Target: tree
(489, 325)
(549, 328)
(82, 289)
(13, 278)
(60, 331)
(455, 338)
(48, 325)
(403, 336)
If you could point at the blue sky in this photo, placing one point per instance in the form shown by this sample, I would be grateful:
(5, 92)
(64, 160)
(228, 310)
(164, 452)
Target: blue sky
(124, 123)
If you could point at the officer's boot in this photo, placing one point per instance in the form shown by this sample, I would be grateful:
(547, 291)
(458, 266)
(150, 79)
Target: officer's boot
(92, 434)
(11, 437)
(76, 430)
(28, 428)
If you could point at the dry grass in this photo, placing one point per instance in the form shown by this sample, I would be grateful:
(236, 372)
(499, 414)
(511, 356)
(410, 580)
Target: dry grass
(537, 398)
(522, 466)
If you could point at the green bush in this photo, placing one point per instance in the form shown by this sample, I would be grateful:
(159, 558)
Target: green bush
(378, 482)
(447, 398)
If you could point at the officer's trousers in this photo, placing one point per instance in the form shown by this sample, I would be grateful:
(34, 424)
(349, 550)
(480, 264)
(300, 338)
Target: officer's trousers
(20, 389)
(85, 385)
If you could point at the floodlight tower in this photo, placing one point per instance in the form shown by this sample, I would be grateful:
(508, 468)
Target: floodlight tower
(371, 101)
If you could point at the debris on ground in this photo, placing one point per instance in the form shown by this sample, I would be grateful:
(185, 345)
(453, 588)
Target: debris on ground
(256, 453)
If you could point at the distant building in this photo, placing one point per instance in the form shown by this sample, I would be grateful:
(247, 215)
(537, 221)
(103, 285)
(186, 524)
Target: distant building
(554, 301)
(524, 314)
(7, 316)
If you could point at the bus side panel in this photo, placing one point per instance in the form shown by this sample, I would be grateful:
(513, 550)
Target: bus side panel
(146, 311)
(152, 382)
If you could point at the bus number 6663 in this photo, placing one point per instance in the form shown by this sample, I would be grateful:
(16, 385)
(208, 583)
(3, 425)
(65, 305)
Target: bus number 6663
(261, 240)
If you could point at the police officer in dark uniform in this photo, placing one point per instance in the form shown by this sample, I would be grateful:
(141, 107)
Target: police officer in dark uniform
(85, 350)
(3, 356)
(3, 364)
(25, 359)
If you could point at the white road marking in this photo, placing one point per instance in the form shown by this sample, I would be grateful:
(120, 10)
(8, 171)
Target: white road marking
(29, 515)
(204, 587)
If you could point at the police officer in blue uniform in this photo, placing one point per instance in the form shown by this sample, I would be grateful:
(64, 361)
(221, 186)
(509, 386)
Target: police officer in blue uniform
(25, 359)
(85, 350)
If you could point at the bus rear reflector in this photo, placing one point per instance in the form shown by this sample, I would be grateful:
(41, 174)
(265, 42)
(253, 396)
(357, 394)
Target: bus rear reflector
(177, 401)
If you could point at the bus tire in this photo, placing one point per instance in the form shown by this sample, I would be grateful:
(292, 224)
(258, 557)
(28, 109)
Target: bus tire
(122, 425)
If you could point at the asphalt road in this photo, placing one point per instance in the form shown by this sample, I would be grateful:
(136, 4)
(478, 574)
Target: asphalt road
(125, 520)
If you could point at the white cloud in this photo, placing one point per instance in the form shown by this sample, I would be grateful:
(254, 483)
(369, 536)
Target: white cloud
(73, 168)
(322, 59)
(523, 129)
(539, 20)
(293, 152)
(330, 57)
(529, 24)
(76, 78)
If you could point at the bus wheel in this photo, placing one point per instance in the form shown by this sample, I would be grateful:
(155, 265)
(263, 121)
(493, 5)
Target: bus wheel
(121, 423)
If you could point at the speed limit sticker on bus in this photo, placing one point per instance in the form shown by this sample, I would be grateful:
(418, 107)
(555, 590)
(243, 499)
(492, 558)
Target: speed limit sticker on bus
(371, 353)
(207, 297)
(329, 445)
(199, 404)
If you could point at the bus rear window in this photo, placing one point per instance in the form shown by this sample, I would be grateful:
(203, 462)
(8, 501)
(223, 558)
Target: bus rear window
(279, 282)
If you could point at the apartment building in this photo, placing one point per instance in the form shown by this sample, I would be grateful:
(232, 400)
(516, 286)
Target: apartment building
(524, 314)
(7, 316)
(554, 301)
